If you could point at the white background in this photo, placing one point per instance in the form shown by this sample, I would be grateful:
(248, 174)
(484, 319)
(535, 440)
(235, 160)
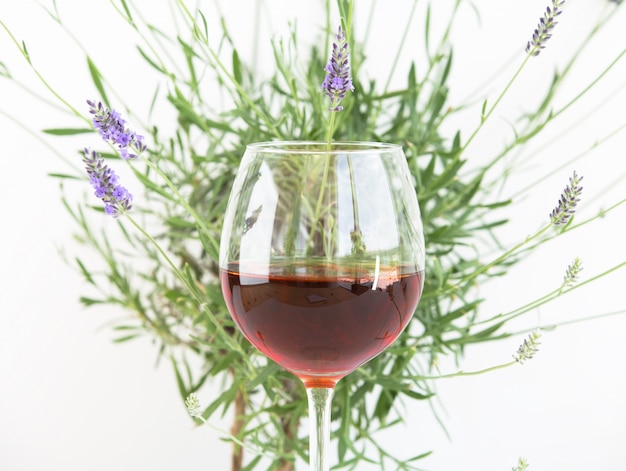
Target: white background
(72, 400)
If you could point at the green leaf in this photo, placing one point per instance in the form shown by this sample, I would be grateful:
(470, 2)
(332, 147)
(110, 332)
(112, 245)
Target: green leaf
(269, 370)
(67, 131)
(237, 68)
(126, 338)
(91, 301)
(250, 466)
(460, 312)
(152, 186)
(126, 327)
(85, 272)
(25, 53)
(483, 111)
(482, 336)
(64, 176)
(420, 456)
(204, 34)
(182, 388)
(4, 70)
(176, 222)
(446, 70)
(344, 426)
(129, 17)
(427, 30)
(151, 62)
(96, 77)
(416, 395)
(209, 243)
(224, 363)
(225, 399)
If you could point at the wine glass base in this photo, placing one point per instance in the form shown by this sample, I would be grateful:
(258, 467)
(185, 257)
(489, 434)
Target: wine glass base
(319, 380)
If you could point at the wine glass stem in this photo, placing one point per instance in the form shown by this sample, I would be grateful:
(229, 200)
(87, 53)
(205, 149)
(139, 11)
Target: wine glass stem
(320, 400)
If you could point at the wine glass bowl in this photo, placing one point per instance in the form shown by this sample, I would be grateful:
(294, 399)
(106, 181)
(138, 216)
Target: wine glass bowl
(322, 256)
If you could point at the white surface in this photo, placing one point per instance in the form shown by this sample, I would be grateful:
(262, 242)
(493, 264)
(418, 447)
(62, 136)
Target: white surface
(71, 400)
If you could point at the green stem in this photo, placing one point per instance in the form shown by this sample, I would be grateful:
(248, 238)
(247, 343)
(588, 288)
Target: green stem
(524, 136)
(572, 321)
(331, 130)
(598, 142)
(232, 438)
(484, 268)
(592, 84)
(506, 317)
(26, 55)
(320, 199)
(403, 42)
(467, 373)
(355, 211)
(486, 116)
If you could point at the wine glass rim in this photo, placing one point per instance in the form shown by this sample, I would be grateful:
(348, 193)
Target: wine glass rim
(321, 147)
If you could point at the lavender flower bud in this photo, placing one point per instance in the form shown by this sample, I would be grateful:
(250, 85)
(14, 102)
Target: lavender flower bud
(112, 128)
(117, 200)
(522, 465)
(338, 79)
(572, 272)
(193, 405)
(529, 348)
(566, 206)
(544, 29)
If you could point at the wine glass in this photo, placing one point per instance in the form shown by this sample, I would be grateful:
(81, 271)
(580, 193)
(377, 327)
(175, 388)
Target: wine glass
(322, 260)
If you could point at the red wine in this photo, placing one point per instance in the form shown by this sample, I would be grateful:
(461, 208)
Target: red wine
(317, 326)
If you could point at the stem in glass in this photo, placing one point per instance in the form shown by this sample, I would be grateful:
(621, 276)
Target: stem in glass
(319, 400)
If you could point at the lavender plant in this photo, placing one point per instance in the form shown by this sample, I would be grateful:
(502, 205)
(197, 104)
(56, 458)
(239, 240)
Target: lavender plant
(186, 177)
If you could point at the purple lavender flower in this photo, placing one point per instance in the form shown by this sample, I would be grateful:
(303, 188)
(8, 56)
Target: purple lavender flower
(112, 128)
(338, 80)
(544, 29)
(566, 206)
(117, 200)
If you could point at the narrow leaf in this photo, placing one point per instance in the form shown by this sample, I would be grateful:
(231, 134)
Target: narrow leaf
(90, 301)
(237, 68)
(269, 370)
(126, 338)
(4, 71)
(182, 389)
(67, 131)
(96, 76)
(63, 176)
(129, 17)
(85, 272)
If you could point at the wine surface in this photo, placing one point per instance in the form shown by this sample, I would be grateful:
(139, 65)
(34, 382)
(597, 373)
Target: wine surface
(317, 326)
